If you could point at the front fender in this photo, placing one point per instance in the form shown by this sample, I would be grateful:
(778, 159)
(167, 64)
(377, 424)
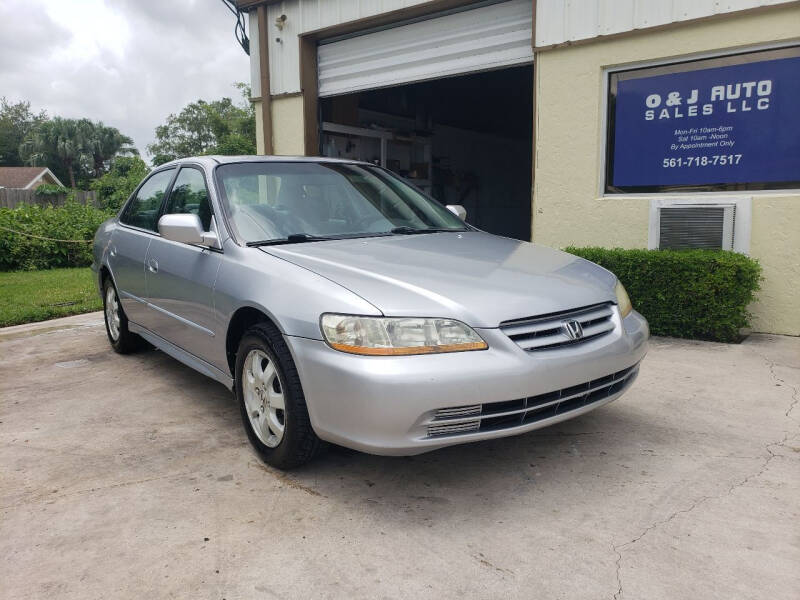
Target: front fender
(291, 296)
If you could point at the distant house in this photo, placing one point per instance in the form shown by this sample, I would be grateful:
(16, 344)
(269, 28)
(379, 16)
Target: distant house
(27, 178)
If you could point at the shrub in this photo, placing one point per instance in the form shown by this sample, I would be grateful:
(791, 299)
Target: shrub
(72, 221)
(117, 185)
(50, 189)
(700, 294)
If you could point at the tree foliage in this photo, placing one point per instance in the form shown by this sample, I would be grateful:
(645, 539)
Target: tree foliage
(217, 127)
(16, 122)
(107, 143)
(77, 148)
(115, 186)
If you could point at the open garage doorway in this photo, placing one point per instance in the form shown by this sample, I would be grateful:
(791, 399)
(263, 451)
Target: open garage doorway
(464, 140)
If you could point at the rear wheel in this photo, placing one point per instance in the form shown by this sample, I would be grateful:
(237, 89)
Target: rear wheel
(122, 340)
(271, 399)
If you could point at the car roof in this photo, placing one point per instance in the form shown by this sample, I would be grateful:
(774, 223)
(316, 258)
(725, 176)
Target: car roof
(215, 159)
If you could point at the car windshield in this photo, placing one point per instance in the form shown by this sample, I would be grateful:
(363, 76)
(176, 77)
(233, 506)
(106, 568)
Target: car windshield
(302, 201)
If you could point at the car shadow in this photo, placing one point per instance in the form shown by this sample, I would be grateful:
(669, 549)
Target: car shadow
(453, 481)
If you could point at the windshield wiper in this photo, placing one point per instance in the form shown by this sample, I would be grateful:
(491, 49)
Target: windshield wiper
(407, 229)
(294, 238)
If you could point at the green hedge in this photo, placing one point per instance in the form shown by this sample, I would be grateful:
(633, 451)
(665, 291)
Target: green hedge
(701, 294)
(71, 221)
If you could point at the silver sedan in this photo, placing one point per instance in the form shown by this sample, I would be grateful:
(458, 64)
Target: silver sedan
(342, 304)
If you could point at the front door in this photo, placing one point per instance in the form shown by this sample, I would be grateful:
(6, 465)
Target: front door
(181, 277)
(130, 243)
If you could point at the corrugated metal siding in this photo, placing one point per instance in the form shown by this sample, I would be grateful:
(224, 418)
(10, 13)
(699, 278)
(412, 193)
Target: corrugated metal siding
(559, 21)
(303, 16)
(482, 38)
(255, 57)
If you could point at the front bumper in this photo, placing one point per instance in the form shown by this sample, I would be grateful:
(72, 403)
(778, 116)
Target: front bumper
(385, 405)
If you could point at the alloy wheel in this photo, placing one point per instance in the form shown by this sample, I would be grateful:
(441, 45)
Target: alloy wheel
(112, 313)
(263, 397)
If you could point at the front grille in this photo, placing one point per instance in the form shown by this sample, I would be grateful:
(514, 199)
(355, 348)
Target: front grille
(513, 413)
(546, 332)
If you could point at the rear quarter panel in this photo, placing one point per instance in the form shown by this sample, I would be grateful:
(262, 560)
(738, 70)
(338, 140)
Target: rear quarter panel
(102, 239)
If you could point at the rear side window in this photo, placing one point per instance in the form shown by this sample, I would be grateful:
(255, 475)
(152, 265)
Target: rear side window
(190, 195)
(143, 210)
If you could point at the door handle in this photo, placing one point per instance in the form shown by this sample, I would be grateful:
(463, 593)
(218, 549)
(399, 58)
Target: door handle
(152, 265)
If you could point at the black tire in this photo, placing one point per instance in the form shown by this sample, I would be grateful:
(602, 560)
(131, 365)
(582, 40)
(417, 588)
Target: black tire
(299, 443)
(125, 342)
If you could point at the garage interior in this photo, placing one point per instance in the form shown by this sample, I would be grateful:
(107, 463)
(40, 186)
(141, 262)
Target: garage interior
(464, 139)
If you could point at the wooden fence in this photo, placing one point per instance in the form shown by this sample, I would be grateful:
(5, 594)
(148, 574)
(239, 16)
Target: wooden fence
(12, 198)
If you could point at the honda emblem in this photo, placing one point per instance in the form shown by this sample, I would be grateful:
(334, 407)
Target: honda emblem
(573, 329)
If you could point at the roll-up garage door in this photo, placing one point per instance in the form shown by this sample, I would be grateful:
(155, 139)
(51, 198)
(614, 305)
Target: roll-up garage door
(488, 37)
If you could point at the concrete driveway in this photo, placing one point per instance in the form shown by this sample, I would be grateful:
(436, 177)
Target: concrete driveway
(131, 477)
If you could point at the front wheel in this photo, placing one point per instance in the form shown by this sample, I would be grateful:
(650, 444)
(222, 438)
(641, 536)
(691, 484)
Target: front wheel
(271, 399)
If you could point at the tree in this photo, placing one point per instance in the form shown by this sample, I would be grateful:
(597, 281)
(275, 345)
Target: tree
(77, 147)
(106, 143)
(217, 127)
(115, 186)
(62, 140)
(16, 122)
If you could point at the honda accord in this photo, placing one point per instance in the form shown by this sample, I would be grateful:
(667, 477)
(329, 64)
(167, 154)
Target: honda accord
(342, 304)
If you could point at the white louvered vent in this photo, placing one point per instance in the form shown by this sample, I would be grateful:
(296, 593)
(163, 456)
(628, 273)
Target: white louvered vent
(696, 226)
(700, 222)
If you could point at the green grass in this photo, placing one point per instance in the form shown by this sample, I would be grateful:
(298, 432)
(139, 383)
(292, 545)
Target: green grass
(28, 296)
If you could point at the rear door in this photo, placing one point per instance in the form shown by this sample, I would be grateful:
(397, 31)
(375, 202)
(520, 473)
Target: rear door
(181, 277)
(130, 242)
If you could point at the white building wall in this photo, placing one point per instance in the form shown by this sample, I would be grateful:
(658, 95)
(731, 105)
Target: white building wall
(560, 21)
(255, 56)
(303, 16)
(557, 22)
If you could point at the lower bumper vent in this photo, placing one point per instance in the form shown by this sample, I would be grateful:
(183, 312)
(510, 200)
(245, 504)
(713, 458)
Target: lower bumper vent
(514, 413)
(452, 428)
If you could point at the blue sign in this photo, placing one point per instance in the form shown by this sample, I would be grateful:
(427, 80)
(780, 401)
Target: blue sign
(724, 125)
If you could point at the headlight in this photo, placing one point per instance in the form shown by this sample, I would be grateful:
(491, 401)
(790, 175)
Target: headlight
(623, 301)
(391, 336)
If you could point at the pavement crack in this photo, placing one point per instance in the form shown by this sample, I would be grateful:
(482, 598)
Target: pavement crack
(618, 548)
(91, 490)
(618, 565)
(287, 480)
(793, 404)
(481, 558)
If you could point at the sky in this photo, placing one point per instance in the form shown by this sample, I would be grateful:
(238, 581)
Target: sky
(127, 63)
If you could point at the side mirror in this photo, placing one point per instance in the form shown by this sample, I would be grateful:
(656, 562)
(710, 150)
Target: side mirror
(458, 211)
(187, 229)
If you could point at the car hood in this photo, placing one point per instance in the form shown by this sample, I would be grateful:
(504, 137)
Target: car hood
(476, 277)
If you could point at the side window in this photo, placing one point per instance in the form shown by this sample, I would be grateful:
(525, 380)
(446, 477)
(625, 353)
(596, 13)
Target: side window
(143, 209)
(190, 195)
